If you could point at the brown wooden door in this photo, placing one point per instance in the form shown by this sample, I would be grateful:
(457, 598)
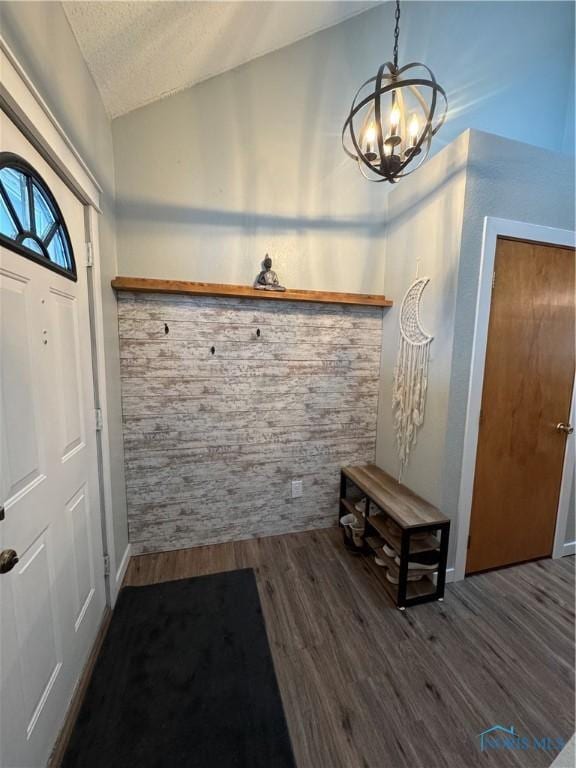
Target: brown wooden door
(527, 391)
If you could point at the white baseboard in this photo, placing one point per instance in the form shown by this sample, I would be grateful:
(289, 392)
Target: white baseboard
(568, 549)
(121, 572)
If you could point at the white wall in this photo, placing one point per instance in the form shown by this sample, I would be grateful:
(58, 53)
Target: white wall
(440, 213)
(41, 39)
(250, 161)
(425, 219)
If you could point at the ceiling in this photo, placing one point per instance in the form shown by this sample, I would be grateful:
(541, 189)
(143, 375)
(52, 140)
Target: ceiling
(139, 52)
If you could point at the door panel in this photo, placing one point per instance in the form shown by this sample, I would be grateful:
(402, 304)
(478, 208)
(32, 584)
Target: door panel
(528, 379)
(19, 404)
(23, 433)
(39, 658)
(64, 338)
(52, 602)
(79, 515)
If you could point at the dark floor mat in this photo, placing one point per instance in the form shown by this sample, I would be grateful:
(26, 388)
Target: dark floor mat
(184, 679)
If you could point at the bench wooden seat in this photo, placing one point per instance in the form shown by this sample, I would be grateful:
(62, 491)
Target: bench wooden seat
(404, 507)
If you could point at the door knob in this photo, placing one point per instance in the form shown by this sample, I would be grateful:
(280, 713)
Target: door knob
(566, 428)
(8, 559)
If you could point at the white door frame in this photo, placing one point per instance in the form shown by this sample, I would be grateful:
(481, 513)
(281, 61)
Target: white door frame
(493, 228)
(23, 103)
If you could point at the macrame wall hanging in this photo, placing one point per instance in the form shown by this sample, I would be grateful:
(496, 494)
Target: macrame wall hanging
(411, 372)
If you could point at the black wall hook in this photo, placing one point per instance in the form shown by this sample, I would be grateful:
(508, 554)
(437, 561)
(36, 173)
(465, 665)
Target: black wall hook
(212, 350)
(258, 333)
(166, 329)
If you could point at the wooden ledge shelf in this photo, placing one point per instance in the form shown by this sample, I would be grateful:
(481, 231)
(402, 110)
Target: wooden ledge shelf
(149, 285)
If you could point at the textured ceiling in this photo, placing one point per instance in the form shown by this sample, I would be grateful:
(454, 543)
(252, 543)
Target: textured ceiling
(141, 51)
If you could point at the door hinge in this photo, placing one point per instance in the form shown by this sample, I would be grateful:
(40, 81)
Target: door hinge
(493, 279)
(106, 565)
(89, 255)
(99, 421)
(468, 544)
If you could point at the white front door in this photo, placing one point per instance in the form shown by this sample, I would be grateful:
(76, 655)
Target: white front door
(52, 600)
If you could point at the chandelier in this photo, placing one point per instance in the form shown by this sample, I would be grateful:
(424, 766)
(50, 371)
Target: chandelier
(393, 118)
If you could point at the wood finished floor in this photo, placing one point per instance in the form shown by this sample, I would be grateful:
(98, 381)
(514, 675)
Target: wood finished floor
(366, 686)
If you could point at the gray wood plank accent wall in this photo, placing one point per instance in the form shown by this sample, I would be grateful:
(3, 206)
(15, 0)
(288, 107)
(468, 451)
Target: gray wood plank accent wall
(212, 441)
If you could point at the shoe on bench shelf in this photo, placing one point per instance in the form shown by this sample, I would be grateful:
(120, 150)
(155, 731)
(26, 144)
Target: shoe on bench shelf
(422, 561)
(393, 579)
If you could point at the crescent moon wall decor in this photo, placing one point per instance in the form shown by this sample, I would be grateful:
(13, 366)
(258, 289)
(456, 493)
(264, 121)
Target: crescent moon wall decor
(411, 373)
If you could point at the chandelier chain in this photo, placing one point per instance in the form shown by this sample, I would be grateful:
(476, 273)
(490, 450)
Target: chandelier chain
(396, 32)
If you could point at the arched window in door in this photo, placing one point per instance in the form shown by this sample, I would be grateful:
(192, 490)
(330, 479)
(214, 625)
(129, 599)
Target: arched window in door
(31, 222)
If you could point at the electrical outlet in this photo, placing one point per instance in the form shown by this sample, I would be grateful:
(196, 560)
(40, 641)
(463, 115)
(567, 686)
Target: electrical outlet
(296, 489)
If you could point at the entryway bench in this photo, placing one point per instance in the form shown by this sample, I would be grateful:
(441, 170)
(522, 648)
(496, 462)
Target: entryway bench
(394, 517)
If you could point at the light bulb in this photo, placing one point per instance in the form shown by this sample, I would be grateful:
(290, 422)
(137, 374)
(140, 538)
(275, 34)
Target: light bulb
(412, 145)
(370, 134)
(395, 119)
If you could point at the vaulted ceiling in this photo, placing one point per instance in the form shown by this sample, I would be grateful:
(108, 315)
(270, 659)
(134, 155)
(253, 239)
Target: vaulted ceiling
(141, 51)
